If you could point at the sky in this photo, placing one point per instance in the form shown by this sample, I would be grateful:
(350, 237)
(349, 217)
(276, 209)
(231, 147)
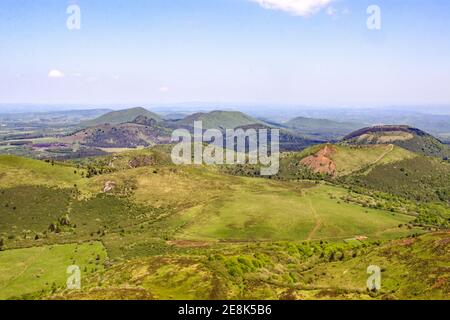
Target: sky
(296, 52)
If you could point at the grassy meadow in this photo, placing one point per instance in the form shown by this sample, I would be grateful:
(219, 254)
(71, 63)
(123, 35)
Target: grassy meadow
(35, 272)
(199, 232)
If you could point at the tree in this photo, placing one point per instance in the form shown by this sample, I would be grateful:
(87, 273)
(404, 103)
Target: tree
(332, 256)
(65, 221)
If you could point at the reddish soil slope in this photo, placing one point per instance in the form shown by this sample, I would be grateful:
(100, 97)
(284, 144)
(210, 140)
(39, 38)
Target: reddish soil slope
(321, 161)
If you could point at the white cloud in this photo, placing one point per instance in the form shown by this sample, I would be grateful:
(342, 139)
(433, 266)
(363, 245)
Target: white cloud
(55, 74)
(335, 13)
(163, 89)
(331, 11)
(295, 7)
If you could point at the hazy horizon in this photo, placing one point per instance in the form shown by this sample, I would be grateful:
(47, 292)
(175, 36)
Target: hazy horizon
(254, 109)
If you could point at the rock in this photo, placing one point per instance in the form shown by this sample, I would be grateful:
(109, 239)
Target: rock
(109, 186)
(143, 120)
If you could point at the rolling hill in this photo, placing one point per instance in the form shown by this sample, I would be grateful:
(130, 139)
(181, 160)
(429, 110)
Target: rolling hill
(330, 161)
(421, 178)
(141, 132)
(218, 120)
(409, 138)
(121, 116)
(222, 120)
(146, 131)
(322, 129)
(145, 228)
(412, 268)
(289, 141)
(157, 219)
(340, 160)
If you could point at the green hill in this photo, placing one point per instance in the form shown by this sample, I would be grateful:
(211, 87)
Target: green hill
(121, 116)
(409, 138)
(330, 160)
(420, 178)
(412, 268)
(219, 120)
(346, 159)
(123, 135)
(288, 140)
(17, 171)
(321, 128)
(160, 231)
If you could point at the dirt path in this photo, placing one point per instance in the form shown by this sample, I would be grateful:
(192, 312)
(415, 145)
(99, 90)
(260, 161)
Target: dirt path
(391, 148)
(27, 265)
(318, 221)
(370, 166)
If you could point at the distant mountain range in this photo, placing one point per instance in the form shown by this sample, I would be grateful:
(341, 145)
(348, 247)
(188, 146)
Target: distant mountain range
(321, 128)
(436, 124)
(71, 116)
(141, 127)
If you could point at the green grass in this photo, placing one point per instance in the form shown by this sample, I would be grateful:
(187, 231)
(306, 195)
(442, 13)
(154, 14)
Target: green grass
(17, 171)
(32, 272)
(258, 210)
(190, 232)
(409, 138)
(29, 210)
(421, 179)
(350, 159)
(413, 268)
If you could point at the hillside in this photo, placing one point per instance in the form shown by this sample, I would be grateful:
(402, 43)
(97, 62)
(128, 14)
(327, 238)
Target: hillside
(409, 138)
(145, 214)
(289, 141)
(22, 171)
(143, 132)
(340, 160)
(218, 120)
(420, 178)
(231, 208)
(321, 128)
(121, 116)
(413, 268)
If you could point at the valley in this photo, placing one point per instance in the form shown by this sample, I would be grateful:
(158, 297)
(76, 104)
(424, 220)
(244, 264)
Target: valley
(141, 227)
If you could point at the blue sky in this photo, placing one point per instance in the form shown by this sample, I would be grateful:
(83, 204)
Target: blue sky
(304, 52)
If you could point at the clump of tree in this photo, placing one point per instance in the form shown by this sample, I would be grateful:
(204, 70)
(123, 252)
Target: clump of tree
(62, 223)
(65, 220)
